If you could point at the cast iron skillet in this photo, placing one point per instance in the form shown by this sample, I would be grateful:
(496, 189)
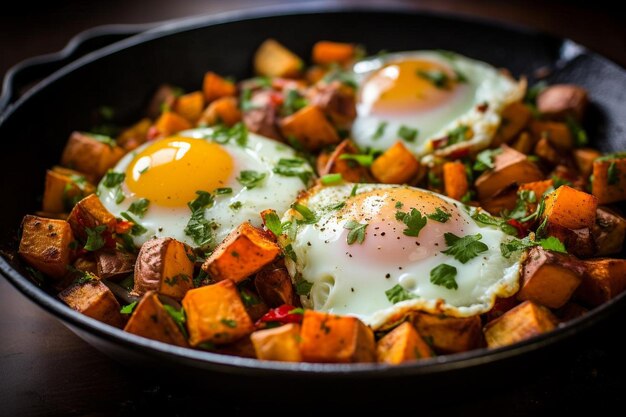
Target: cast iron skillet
(34, 130)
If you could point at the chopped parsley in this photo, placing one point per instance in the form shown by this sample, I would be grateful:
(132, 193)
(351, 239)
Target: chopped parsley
(344, 77)
(246, 100)
(433, 179)
(178, 316)
(439, 215)
(290, 253)
(83, 276)
(251, 179)
(356, 232)
(95, 240)
(75, 182)
(223, 134)
(337, 206)
(399, 205)
(485, 218)
(444, 275)
(551, 243)
(397, 293)
(464, 248)
(273, 224)
(458, 134)
(437, 78)
(128, 308)
(139, 207)
(113, 179)
(485, 159)
(330, 179)
(293, 101)
(364, 160)
(198, 227)
(612, 174)
(107, 140)
(413, 220)
(407, 134)
(137, 229)
(236, 205)
(229, 323)
(303, 287)
(294, 167)
(248, 298)
(380, 130)
(308, 216)
(354, 190)
(224, 191)
(578, 133)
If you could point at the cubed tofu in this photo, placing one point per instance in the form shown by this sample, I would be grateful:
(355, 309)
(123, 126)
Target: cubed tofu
(570, 208)
(609, 232)
(152, 321)
(449, 334)
(523, 322)
(95, 300)
(278, 344)
(64, 189)
(244, 251)
(89, 213)
(402, 344)
(549, 278)
(310, 128)
(91, 155)
(510, 167)
(328, 338)
(609, 180)
(396, 165)
(164, 265)
(350, 170)
(45, 245)
(603, 279)
(216, 314)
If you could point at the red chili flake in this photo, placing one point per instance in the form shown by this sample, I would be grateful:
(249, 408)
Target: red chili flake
(283, 315)
(440, 143)
(522, 229)
(459, 153)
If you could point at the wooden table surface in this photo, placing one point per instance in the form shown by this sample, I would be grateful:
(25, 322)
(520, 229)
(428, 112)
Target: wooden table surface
(47, 370)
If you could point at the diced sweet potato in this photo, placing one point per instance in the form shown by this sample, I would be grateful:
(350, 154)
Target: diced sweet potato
(547, 152)
(515, 117)
(274, 60)
(274, 286)
(45, 244)
(505, 199)
(326, 52)
(90, 213)
(584, 158)
(114, 264)
(570, 208)
(328, 338)
(164, 265)
(315, 73)
(135, 135)
(163, 99)
(558, 134)
(169, 123)
(62, 190)
(549, 278)
(152, 321)
(396, 165)
(222, 110)
(523, 322)
(310, 127)
(86, 264)
(609, 231)
(216, 314)
(455, 179)
(244, 251)
(90, 155)
(538, 189)
(609, 180)
(190, 106)
(402, 344)
(336, 100)
(603, 280)
(278, 344)
(449, 334)
(95, 300)
(350, 170)
(510, 167)
(579, 242)
(215, 86)
(561, 100)
(524, 143)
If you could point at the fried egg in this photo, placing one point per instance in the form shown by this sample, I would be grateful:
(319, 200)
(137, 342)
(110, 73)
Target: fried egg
(434, 101)
(242, 179)
(378, 252)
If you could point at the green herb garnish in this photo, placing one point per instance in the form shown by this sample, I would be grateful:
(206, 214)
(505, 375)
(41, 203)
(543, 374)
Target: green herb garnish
(407, 134)
(464, 248)
(198, 227)
(331, 179)
(397, 293)
(139, 207)
(294, 167)
(128, 308)
(439, 215)
(357, 232)
(251, 179)
(95, 240)
(413, 220)
(445, 276)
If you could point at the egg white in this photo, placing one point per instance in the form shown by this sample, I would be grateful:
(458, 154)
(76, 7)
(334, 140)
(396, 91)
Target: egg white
(343, 284)
(260, 154)
(485, 85)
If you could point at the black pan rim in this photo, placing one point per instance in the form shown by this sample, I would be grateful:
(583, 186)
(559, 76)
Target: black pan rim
(238, 365)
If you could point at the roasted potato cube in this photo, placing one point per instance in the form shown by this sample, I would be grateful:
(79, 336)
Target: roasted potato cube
(524, 143)
(603, 280)
(95, 300)
(449, 334)
(350, 170)
(609, 180)
(216, 314)
(164, 265)
(505, 199)
(549, 278)
(510, 167)
(255, 306)
(455, 182)
(336, 100)
(45, 245)
(169, 123)
(570, 208)
(114, 264)
(500, 306)
(274, 286)
(63, 190)
(244, 251)
(89, 213)
(402, 344)
(222, 110)
(558, 134)
(329, 338)
(561, 100)
(396, 165)
(523, 322)
(152, 321)
(278, 344)
(609, 232)
(310, 127)
(274, 60)
(584, 158)
(579, 242)
(190, 106)
(547, 152)
(86, 265)
(135, 135)
(91, 155)
(538, 188)
(515, 117)
(215, 86)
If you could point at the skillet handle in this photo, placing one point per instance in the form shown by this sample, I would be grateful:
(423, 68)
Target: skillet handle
(24, 74)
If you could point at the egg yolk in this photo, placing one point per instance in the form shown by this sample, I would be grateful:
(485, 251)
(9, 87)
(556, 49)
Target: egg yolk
(171, 170)
(385, 240)
(409, 86)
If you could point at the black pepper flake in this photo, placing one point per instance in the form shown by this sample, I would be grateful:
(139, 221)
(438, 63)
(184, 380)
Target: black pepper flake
(351, 289)
(382, 234)
(387, 275)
